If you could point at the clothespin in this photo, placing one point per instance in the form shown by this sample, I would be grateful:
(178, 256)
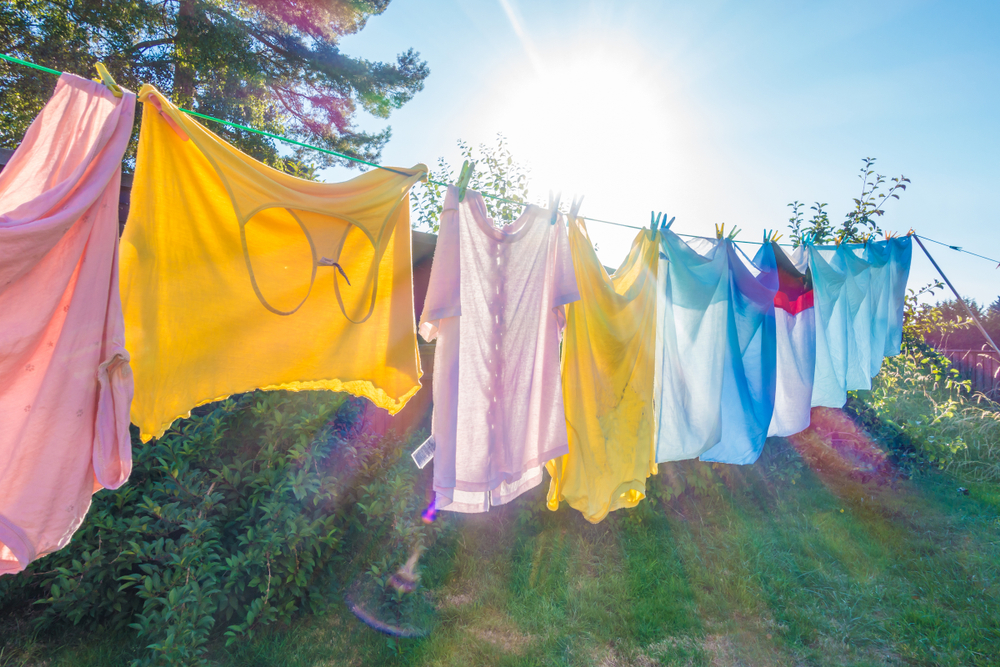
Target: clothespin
(107, 79)
(654, 220)
(464, 177)
(720, 230)
(732, 234)
(574, 208)
(554, 207)
(666, 224)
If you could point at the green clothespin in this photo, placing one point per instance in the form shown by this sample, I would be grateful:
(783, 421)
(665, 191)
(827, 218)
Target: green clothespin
(732, 234)
(464, 177)
(108, 80)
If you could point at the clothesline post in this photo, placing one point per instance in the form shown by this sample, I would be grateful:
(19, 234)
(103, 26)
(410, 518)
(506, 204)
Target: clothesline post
(959, 297)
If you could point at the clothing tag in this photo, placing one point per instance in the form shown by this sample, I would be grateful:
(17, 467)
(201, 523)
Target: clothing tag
(423, 454)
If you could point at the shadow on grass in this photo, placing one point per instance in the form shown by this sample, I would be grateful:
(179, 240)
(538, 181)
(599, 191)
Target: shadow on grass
(819, 554)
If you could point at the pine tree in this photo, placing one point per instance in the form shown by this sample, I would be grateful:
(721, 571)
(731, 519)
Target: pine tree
(270, 64)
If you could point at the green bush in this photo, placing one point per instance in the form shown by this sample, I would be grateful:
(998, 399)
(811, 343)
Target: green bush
(925, 410)
(237, 518)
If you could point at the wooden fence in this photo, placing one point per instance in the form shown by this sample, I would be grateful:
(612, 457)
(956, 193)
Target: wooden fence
(980, 367)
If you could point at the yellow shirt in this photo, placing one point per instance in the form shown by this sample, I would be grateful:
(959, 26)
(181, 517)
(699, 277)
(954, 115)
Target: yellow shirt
(607, 380)
(228, 283)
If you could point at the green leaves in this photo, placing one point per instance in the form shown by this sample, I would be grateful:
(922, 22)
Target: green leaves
(235, 519)
(254, 62)
(497, 174)
(859, 222)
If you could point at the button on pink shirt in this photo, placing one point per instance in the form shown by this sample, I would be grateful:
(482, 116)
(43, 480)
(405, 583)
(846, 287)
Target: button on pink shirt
(494, 304)
(65, 385)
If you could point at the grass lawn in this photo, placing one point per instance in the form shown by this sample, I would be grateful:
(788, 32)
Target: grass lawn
(791, 561)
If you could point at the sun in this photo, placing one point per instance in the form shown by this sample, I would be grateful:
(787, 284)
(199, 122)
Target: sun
(577, 112)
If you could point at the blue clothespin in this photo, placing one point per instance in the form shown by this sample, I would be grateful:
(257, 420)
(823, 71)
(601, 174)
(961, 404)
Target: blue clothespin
(654, 220)
(666, 224)
(554, 207)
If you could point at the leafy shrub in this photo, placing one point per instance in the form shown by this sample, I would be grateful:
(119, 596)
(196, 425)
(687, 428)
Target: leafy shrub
(925, 410)
(237, 518)
(920, 406)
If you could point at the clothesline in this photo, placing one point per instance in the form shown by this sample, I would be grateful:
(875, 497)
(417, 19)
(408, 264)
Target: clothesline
(374, 165)
(711, 360)
(960, 249)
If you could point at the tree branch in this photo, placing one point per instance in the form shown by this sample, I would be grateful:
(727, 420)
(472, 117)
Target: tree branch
(148, 44)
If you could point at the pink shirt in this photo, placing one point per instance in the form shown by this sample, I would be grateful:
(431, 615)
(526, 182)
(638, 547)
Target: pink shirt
(494, 304)
(65, 384)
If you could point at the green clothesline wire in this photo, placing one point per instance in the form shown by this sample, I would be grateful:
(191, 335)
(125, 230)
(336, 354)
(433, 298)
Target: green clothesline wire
(343, 156)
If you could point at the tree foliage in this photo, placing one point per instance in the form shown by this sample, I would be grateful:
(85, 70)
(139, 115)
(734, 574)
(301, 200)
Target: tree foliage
(860, 222)
(953, 328)
(496, 173)
(275, 65)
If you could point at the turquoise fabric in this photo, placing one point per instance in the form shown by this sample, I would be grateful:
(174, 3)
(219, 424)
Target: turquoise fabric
(692, 314)
(749, 381)
(900, 254)
(715, 362)
(859, 292)
(878, 257)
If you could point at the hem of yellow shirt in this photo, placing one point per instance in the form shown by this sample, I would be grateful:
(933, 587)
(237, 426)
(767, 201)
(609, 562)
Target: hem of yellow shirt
(627, 494)
(360, 388)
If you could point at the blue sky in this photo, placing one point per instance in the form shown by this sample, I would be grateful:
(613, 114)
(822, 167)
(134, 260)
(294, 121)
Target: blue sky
(717, 111)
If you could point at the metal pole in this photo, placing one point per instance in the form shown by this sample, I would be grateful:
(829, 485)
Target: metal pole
(959, 297)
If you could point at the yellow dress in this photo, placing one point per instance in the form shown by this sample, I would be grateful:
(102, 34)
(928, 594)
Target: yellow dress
(607, 380)
(231, 276)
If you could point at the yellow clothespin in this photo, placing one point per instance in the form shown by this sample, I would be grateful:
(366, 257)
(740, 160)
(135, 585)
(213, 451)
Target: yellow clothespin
(720, 230)
(107, 79)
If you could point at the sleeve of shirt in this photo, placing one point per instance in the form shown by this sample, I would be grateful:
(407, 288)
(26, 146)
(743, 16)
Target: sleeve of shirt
(443, 298)
(565, 277)
(565, 289)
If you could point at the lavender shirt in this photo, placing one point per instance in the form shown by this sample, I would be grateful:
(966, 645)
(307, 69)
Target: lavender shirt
(494, 305)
